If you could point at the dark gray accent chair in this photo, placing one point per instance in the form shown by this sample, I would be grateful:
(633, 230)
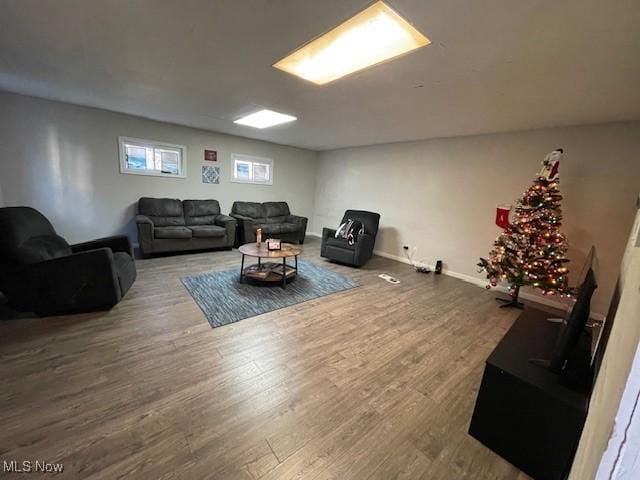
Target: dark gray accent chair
(171, 225)
(40, 272)
(274, 218)
(361, 251)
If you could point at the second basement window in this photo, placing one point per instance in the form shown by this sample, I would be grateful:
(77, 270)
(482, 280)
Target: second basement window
(249, 169)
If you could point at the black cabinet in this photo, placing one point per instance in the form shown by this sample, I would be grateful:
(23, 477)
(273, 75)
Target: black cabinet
(528, 415)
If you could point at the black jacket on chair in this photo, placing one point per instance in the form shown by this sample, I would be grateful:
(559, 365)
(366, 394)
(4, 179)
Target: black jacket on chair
(361, 251)
(40, 272)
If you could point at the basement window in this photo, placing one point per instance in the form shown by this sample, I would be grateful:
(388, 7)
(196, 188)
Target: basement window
(147, 157)
(249, 169)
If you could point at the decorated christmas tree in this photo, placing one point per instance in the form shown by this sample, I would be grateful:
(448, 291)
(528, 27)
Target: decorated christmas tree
(531, 249)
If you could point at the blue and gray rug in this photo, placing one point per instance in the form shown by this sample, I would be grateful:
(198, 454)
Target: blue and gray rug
(224, 300)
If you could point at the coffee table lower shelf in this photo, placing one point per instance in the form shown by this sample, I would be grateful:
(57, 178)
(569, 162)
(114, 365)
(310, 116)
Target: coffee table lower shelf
(269, 272)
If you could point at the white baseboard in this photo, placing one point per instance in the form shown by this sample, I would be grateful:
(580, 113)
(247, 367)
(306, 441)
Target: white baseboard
(480, 282)
(314, 234)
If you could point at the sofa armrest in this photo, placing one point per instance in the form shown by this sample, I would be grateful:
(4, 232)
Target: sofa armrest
(298, 220)
(230, 224)
(79, 281)
(117, 243)
(247, 230)
(145, 230)
(222, 220)
(141, 219)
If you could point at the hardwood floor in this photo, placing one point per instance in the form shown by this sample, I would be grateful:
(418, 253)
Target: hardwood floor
(377, 382)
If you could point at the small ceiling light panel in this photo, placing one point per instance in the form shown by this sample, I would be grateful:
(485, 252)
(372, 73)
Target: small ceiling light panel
(376, 34)
(265, 119)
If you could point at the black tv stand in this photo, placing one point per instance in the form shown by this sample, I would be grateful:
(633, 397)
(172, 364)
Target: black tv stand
(529, 415)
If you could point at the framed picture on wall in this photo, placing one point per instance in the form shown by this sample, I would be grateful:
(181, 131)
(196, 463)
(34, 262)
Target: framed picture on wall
(210, 174)
(211, 155)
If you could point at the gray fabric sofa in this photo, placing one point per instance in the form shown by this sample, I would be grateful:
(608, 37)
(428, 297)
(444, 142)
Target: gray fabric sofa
(170, 225)
(40, 272)
(361, 251)
(274, 218)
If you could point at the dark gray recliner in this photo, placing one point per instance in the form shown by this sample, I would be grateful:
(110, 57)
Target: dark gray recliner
(40, 272)
(169, 225)
(274, 218)
(361, 251)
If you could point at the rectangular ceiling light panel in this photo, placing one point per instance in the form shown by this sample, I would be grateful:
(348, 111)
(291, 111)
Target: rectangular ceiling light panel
(265, 119)
(376, 34)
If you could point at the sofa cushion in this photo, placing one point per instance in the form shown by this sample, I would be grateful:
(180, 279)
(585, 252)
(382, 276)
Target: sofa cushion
(171, 232)
(163, 212)
(248, 209)
(125, 270)
(201, 212)
(42, 248)
(270, 228)
(207, 231)
(340, 243)
(280, 219)
(276, 209)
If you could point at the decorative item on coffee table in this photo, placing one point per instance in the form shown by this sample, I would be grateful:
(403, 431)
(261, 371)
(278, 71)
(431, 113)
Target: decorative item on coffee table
(274, 244)
(273, 272)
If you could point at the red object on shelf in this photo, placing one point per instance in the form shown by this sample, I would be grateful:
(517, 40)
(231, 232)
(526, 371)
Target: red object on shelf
(502, 216)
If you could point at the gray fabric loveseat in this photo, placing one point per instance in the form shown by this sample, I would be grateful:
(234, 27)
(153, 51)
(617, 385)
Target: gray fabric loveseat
(40, 272)
(169, 225)
(274, 218)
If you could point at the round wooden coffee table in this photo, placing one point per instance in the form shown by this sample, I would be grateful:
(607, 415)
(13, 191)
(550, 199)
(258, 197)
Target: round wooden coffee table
(275, 271)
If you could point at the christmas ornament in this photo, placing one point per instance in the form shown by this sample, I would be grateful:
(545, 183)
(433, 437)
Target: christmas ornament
(502, 216)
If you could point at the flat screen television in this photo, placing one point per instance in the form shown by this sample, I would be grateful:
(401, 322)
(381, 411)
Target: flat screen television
(573, 326)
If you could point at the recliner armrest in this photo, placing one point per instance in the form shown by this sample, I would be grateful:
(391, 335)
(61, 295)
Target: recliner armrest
(75, 281)
(328, 232)
(117, 243)
(364, 246)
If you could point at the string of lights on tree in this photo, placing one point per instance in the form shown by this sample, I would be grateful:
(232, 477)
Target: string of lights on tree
(531, 249)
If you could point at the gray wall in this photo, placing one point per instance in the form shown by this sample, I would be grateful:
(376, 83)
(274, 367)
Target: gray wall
(440, 195)
(602, 424)
(63, 160)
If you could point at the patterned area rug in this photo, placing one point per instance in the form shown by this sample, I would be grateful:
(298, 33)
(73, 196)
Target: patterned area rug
(224, 300)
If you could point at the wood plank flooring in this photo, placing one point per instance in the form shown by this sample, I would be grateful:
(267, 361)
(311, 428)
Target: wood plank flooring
(377, 382)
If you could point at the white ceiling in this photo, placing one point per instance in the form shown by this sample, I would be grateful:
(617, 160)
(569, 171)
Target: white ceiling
(494, 65)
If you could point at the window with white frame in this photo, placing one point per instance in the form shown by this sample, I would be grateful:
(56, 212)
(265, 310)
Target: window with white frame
(147, 157)
(249, 169)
